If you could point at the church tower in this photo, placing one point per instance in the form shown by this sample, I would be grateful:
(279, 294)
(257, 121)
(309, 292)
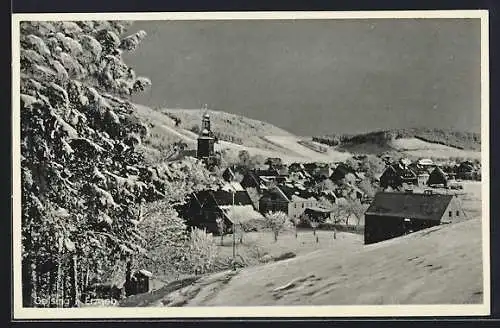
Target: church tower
(206, 139)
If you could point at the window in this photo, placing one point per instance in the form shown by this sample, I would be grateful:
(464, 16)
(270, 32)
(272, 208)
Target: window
(458, 213)
(449, 214)
(302, 205)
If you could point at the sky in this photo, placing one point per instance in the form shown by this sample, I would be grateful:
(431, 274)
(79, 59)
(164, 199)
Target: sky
(316, 77)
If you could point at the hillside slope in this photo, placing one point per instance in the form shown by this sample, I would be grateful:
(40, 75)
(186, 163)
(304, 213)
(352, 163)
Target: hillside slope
(417, 142)
(230, 127)
(238, 133)
(440, 265)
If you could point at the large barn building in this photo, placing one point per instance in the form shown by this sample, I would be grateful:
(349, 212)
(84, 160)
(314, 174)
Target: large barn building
(393, 214)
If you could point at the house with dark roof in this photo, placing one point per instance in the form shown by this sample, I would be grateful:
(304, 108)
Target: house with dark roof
(318, 170)
(396, 175)
(349, 192)
(341, 172)
(262, 179)
(231, 172)
(317, 214)
(393, 214)
(437, 178)
(468, 171)
(287, 198)
(230, 203)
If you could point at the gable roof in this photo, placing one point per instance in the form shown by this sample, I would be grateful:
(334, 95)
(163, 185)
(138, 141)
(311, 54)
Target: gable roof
(266, 173)
(228, 171)
(438, 172)
(399, 170)
(232, 186)
(292, 191)
(240, 213)
(253, 177)
(415, 206)
(223, 197)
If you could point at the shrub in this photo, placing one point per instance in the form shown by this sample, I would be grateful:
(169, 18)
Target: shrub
(201, 252)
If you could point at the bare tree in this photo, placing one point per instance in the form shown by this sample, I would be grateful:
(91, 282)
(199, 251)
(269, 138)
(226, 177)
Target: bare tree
(277, 222)
(338, 214)
(314, 223)
(221, 228)
(355, 208)
(295, 221)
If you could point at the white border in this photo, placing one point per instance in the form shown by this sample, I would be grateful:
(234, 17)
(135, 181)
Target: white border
(279, 311)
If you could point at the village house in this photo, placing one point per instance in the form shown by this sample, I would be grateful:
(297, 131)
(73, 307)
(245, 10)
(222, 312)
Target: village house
(425, 162)
(318, 170)
(274, 163)
(422, 179)
(231, 173)
(262, 179)
(468, 171)
(344, 172)
(349, 192)
(393, 214)
(450, 169)
(317, 214)
(396, 175)
(289, 199)
(231, 204)
(437, 178)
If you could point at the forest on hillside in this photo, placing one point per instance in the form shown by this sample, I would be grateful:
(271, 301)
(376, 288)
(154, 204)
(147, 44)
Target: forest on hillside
(456, 139)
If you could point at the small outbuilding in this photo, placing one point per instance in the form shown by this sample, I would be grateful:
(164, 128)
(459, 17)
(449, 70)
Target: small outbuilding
(317, 214)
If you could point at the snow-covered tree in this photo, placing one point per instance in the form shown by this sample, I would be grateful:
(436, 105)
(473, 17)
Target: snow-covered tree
(83, 177)
(277, 222)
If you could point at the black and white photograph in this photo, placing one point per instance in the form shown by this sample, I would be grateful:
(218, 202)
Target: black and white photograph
(251, 164)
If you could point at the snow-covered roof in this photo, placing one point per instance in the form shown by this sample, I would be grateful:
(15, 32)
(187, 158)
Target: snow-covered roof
(145, 273)
(240, 213)
(425, 161)
(233, 186)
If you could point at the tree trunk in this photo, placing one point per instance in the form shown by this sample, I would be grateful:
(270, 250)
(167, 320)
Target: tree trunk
(87, 277)
(82, 278)
(52, 282)
(29, 282)
(64, 292)
(73, 292)
(222, 239)
(234, 246)
(128, 279)
(317, 239)
(59, 288)
(275, 237)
